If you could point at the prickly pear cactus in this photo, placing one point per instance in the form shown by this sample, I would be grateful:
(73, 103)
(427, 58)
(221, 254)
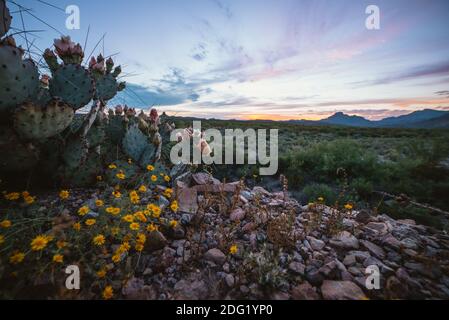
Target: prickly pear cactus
(105, 80)
(36, 123)
(115, 129)
(19, 79)
(135, 143)
(75, 152)
(73, 84)
(86, 176)
(5, 18)
(15, 155)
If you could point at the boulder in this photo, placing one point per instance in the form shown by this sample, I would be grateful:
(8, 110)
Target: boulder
(341, 290)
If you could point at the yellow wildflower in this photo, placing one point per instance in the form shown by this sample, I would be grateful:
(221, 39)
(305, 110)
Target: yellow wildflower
(64, 194)
(154, 178)
(99, 203)
(134, 226)
(58, 258)
(140, 216)
(141, 238)
(142, 189)
(90, 222)
(116, 211)
(150, 167)
(348, 206)
(61, 244)
(128, 218)
(6, 224)
(101, 273)
(112, 166)
(173, 223)
(108, 293)
(167, 178)
(233, 249)
(17, 257)
(83, 210)
(99, 178)
(115, 231)
(99, 240)
(121, 176)
(321, 199)
(151, 227)
(116, 258)
(174, 206)
(2, 239)
(117, 194)
(39, 243)
(130, 161)
(12, 196)
(139, 247)
(30, 200)
(77, 226)
(25, 194)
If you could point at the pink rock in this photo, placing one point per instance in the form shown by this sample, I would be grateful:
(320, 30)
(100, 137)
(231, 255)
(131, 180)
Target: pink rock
(341, 290)
(237, 214)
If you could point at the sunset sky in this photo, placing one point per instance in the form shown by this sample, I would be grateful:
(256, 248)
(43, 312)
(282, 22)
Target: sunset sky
(270, 59)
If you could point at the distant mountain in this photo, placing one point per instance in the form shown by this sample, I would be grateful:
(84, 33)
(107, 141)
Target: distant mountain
(342, 119)
(409, 119)
(427, 118)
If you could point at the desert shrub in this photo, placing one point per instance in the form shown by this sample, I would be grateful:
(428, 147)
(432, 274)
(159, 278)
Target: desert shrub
(362, 187)
(316, 190)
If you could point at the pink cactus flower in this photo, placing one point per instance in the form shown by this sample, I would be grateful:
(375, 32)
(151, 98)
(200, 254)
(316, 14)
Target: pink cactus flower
(45, 80)
(154, 117)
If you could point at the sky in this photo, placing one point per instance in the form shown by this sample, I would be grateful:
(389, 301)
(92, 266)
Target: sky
(271, 59)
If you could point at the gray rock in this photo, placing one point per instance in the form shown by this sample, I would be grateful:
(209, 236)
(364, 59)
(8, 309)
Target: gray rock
(216, 256)
(304, 292)
(373, 249)
(349, 260)
(155, 241)
(345, 240)
(297, 268)
(341, 290)
(316, 244)
(363, 217)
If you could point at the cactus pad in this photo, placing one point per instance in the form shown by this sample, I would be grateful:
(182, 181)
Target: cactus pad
(36, 123)
(19, 79)
(135, 143)
(106, 87)
(73, 84)
(16, 156)
(5, 18)
(75, 152)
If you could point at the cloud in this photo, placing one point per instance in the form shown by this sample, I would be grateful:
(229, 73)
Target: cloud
(424, 71)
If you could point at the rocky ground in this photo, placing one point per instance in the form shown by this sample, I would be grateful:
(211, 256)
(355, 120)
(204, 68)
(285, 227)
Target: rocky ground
(285, 251)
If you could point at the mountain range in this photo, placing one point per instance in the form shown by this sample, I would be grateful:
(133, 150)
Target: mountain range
(427, 119)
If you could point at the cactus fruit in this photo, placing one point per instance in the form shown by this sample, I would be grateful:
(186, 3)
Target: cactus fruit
(36, 123)
(5, 18)
(68, 51)
(19, 79)
(73, 84)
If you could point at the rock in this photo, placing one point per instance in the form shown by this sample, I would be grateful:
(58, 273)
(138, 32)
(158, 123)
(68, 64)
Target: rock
(329, 270)
(135, 289)
(392, 242)
(216, 256)
(373, 249)
(376, 228)
(185, 219)
(230, 280)
(304, 292)
(155, 241)
(363, 217)
(315, 277)
(237, 215)
(248, 227)
(297, 268)
(396, 289)
(360, 256)
(345, 240)
(191, 290)
(260, 191)
(187, 200)
(341, 290)
(407, 221)
(349, 260)
(202, 178)
(316, 244)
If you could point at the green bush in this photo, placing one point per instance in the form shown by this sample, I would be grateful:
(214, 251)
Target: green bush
(315, 190)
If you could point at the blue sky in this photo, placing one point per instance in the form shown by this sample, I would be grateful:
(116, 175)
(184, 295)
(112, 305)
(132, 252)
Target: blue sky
(271, 59)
